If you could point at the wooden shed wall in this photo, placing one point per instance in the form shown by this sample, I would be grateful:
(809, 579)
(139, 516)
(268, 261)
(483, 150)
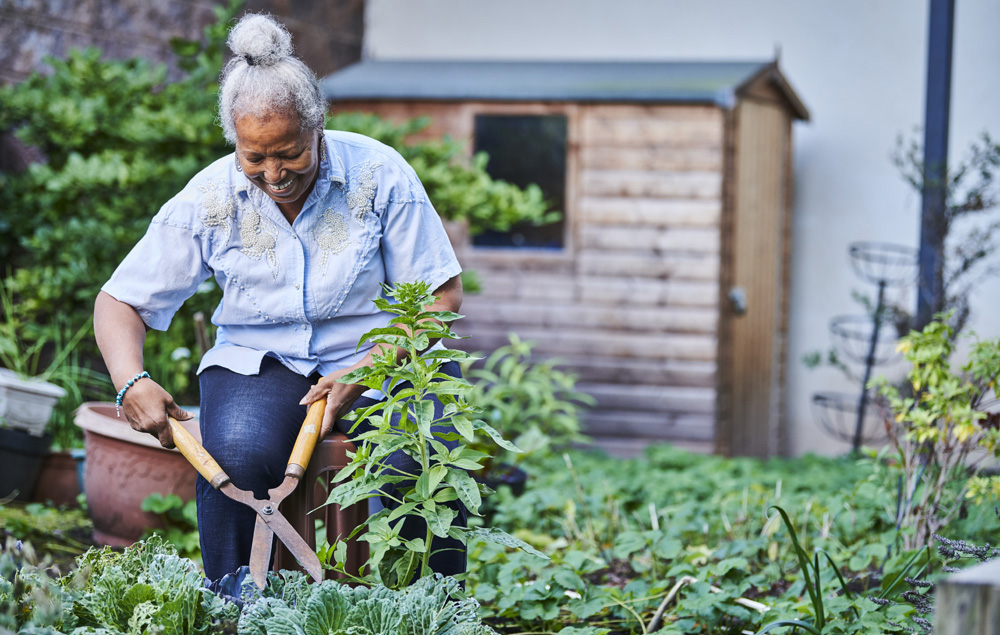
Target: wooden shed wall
(631, 303)
(756, 260)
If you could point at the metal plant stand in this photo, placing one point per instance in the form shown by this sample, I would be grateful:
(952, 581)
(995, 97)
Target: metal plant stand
(857, 338)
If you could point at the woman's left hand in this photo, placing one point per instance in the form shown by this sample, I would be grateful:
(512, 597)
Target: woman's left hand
(339, 398)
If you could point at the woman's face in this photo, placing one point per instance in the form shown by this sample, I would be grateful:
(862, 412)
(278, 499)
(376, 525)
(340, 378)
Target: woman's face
(277, 157)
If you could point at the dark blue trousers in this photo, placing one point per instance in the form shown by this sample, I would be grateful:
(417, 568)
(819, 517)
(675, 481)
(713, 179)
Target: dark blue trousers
(249, 424)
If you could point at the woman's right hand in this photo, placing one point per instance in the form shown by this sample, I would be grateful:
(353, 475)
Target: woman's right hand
(120, 334)
(147, 405)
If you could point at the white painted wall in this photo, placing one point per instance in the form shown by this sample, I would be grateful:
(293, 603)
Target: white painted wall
(859, 65)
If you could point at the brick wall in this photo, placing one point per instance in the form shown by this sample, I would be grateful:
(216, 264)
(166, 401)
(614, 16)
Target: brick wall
(327, 35)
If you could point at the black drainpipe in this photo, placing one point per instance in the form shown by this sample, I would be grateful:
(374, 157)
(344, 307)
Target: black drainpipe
(934, 222)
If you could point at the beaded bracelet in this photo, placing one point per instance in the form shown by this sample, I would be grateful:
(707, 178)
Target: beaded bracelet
(121, 393)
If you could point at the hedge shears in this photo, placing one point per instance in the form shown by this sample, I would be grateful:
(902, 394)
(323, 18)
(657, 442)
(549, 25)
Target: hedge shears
(270, 522)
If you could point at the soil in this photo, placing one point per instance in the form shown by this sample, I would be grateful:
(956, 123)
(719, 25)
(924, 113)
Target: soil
(618, 573)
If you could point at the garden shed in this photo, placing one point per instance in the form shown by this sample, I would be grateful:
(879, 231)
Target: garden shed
(665, 286)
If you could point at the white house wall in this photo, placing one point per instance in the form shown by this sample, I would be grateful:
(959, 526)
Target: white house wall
(859, 66)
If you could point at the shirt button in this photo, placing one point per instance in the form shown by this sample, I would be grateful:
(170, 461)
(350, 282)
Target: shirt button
(296, 287)
(295, 236)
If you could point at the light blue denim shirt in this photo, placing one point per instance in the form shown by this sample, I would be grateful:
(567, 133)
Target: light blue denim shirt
(301, 292)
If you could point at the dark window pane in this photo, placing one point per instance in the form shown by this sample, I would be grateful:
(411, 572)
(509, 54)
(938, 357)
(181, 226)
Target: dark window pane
(526, 149)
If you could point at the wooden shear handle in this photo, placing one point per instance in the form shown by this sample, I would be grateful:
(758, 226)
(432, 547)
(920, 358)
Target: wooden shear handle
(305, 443)
(197, 455)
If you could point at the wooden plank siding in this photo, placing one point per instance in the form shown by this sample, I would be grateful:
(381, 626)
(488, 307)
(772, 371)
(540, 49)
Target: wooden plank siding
(667, 207)
(632, 305)
(752, 344)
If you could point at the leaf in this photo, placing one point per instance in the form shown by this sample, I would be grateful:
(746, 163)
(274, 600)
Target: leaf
(351, 492)
(422, 487)
(340, 552)
(326, 609)
(379, 616)
(569, 580)
(444, 316)
(435, 476)
(500, 537)
(629, 542)
(496, 436)
(423, 414)
(467, 490)
(464, 427)
(440, 519)
(402, 510)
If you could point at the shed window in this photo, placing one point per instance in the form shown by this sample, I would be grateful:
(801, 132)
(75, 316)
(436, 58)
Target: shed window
(526, 149)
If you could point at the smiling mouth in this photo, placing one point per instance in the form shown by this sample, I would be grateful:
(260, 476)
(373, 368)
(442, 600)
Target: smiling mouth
(281, 187)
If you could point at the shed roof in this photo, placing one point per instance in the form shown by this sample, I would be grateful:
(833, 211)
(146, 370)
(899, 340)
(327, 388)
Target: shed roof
(693, 82)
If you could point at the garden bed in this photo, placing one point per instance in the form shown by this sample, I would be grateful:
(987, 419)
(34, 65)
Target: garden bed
(622, 534)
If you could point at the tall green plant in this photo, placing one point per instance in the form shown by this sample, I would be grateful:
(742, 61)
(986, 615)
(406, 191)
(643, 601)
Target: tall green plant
(443, 474)
(937, 427)
(533, 403)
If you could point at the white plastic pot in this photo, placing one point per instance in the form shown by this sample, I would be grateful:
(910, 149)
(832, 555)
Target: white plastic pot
(26, 404)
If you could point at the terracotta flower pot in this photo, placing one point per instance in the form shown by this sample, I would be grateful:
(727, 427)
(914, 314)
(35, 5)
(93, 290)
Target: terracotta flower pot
(58, 481)
(122, 469)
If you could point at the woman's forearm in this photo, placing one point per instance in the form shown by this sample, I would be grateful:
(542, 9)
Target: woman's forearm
(120, 334)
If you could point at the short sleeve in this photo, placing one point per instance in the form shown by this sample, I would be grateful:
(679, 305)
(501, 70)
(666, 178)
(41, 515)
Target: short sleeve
(415, 246)
(162, 271)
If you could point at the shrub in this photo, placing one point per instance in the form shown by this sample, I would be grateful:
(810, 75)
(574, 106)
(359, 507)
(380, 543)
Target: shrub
(937, 427)
(533, 403)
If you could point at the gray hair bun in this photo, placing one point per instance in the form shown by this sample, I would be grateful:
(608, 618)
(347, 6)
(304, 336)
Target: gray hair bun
(260, 41)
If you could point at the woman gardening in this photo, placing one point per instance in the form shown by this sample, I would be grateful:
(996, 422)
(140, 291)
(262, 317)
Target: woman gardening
(299, 227)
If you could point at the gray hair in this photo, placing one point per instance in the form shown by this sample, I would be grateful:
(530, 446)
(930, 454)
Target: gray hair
(264, 77)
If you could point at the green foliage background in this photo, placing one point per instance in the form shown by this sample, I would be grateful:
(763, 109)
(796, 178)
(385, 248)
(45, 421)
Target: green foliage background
(118, 141)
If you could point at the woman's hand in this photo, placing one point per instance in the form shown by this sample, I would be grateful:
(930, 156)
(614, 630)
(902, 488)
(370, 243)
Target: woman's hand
(120, 334)
(147, 406)
(339, 398)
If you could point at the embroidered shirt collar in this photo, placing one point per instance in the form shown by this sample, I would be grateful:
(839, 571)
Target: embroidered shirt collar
(333, 168)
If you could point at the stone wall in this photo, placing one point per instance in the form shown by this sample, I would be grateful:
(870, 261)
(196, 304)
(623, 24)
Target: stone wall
(327, 35)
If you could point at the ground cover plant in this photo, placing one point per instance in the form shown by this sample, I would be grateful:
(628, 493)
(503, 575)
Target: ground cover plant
(696, 535)
(705, 533)
(672, 542)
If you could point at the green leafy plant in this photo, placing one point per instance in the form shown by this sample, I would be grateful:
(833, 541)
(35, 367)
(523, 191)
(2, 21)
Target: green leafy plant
(938, 425)
(24, 345)
(180, 519)
(812, 579)
(146, 588)
(50, 353)
(686, 532)
(117, 141)
(60, 535)
(444, 476)
(533, 403)
(289, 604)
(29, 598)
